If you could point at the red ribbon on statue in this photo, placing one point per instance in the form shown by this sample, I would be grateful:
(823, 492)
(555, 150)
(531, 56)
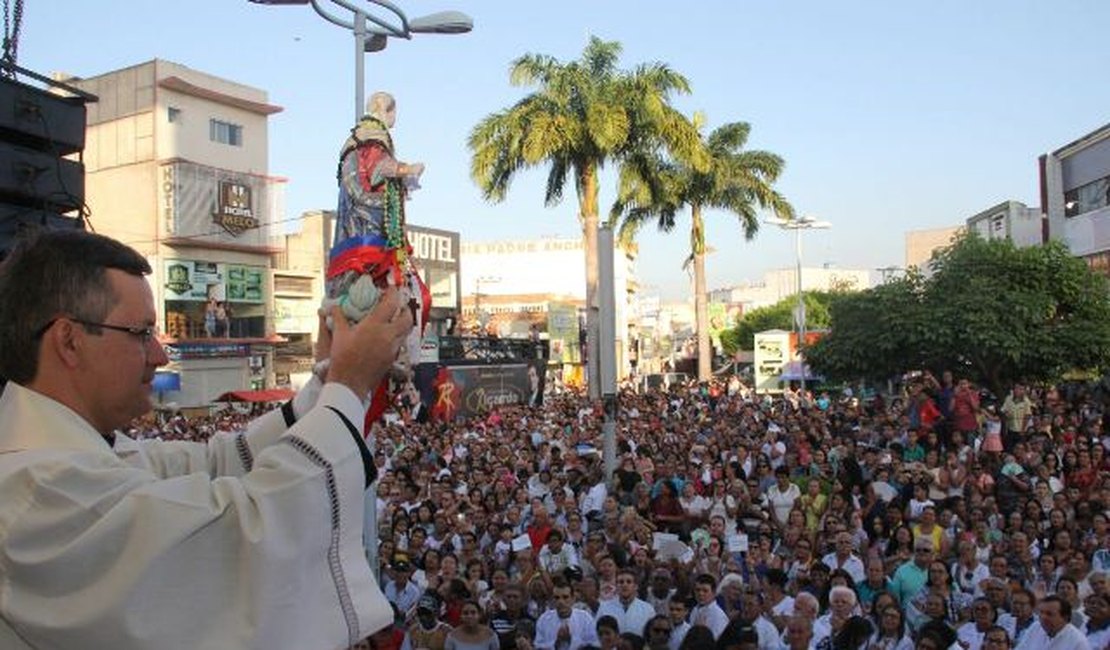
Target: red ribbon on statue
(363, 254)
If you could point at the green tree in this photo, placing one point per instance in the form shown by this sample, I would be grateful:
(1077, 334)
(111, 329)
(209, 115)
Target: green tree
(738, 181)
(875, 333)
(990, 311)
(582, 115)
(780, 316)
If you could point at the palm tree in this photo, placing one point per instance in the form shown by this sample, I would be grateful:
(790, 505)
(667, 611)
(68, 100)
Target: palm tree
(582, 115)
(653, 187)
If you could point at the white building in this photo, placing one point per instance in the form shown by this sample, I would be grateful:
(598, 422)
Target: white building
(781, 283)
(1075, 197)
(528, 275)
(177, 167)
(1009, 220)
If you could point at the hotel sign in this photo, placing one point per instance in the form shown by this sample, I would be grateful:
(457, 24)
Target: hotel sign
(233, 212)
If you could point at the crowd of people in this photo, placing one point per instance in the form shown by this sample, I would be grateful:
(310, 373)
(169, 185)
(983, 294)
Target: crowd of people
(936, 518)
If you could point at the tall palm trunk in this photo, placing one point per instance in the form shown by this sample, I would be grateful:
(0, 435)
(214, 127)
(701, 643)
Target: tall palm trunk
(701, 305)
(587, 201)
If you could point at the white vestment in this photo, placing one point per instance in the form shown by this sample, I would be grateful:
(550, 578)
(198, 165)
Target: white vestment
(249, 541)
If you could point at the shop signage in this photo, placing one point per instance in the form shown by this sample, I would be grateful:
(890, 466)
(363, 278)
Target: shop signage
(193, 280)
(184, 351)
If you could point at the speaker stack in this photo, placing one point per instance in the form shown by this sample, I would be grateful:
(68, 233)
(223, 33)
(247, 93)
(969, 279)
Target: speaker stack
(42, 178)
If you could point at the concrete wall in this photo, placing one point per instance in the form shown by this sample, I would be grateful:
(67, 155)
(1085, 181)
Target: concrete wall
(920, 244)
(188, 136)
(122, 201)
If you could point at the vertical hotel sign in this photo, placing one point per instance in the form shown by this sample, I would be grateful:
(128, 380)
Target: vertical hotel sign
(168, 183)
(233, 208)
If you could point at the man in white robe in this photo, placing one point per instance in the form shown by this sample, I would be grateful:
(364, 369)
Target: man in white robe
(247, 541)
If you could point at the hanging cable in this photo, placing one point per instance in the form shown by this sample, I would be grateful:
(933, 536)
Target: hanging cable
(13, 22)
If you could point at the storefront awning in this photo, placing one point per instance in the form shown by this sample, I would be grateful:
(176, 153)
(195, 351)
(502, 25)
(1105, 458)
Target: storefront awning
(270, 395)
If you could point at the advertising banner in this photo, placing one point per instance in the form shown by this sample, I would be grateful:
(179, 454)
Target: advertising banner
(464, 391)
(192, 280)
(562, 329)
(772, 351)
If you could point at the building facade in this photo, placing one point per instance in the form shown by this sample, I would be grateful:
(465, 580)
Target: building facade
(177, 167)
(507, 286)
(920, 244)
(1075, 197)
(1011, 220)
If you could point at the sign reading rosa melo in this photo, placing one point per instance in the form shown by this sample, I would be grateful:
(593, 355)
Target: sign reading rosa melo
(233, 211)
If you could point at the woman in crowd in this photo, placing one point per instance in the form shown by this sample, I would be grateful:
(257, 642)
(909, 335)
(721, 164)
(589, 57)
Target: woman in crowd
(471, 633)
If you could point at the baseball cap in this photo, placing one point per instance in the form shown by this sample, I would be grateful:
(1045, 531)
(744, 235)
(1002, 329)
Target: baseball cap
(428, 602)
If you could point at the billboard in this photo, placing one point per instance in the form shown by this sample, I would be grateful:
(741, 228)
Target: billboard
(196, 281)
(465, 391)
(772, 350)
(562, 329)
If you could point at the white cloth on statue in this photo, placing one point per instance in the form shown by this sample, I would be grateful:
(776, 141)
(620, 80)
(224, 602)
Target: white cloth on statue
(248, 541)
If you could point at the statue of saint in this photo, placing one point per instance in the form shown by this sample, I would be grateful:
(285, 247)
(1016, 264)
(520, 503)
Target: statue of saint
(370, 250)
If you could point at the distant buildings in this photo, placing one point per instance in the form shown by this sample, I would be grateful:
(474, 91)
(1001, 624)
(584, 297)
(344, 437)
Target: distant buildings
(1074, 208)
(177, 167)
(780, 283)
(509, 285)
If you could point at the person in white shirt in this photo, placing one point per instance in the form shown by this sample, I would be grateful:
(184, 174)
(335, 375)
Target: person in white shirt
(401, 590)
(781, 496)
(972, 634)
(1022, 622)
(564, 627)
(798, 634)
(844, 558)
(631, 613)
(707, 612)
(594, 498)
(143, 544)
(751, 609)
(679, 610)
(1097, 629)
(1056, 632)
(556, 555)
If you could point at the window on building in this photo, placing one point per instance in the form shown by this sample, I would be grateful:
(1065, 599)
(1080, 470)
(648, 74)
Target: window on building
(225, 133)
(1087, 198)
(173, 114)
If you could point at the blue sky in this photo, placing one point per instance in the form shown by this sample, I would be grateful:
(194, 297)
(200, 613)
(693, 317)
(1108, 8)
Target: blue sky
(892, 116)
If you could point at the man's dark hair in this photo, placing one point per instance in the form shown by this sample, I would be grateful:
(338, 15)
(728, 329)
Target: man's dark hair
(1065, 606)
(706, 579)
(737, 633)
(52, 274)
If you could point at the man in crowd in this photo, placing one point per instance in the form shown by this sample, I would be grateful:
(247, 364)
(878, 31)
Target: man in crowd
(564, 627)
(707, 612)
(630, 612)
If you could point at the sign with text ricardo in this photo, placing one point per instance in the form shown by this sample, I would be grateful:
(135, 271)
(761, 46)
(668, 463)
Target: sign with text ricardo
(471, 390)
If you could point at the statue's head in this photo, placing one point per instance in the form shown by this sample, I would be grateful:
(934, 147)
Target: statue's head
(384, 107)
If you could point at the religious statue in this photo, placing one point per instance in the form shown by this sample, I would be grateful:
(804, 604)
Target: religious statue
(370, 250)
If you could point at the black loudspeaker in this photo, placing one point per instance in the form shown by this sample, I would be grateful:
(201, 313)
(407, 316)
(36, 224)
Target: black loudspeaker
(42, 135)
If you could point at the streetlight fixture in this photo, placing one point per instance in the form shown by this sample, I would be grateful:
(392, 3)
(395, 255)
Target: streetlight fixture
(798, 225)
(373, 31)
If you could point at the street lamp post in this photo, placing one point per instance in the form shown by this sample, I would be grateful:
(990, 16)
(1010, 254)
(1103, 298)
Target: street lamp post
(371, 34)
(798, 225)
(372, 31)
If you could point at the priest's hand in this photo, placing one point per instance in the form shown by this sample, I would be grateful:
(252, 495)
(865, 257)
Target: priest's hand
(363, 353)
